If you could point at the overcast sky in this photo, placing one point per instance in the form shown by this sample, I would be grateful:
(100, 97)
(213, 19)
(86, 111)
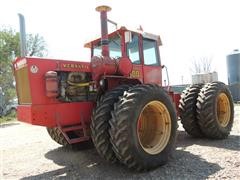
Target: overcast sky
(188, 28)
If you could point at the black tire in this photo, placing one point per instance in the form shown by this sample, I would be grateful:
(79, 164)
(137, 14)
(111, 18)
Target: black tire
(125, 132)
(208, 112)
(100, 122)
(58, 137)
(188, 110)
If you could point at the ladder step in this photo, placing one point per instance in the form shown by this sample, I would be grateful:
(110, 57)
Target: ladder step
(77, 140)
(72, 128)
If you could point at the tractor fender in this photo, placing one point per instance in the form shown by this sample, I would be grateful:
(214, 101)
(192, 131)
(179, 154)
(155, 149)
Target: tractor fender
(110, 82)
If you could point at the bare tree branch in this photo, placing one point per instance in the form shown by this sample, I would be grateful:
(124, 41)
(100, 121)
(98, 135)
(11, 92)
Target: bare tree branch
(202, 64)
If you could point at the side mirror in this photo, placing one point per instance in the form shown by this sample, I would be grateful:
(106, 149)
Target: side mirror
(128, 36)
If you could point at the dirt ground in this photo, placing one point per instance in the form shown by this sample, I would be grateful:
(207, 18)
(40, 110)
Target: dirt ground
(27, 152)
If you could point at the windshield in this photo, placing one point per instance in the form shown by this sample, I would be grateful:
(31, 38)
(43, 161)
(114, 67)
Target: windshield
(114, 47)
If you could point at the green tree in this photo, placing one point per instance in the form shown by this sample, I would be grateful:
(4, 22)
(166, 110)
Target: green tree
(9, 48)
(36, 45)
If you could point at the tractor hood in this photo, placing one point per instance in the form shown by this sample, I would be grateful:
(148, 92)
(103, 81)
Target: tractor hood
(29, 74)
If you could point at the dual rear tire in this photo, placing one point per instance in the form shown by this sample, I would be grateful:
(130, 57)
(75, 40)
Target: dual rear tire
(207, 111)
(57, 136)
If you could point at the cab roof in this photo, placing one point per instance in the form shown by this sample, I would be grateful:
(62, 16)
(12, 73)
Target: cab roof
(123, 29)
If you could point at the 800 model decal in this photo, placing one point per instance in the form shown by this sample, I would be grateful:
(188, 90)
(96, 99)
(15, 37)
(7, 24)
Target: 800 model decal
(135, 74)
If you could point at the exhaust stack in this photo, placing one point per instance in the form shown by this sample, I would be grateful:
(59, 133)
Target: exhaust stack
(104, 29)
(23, 46)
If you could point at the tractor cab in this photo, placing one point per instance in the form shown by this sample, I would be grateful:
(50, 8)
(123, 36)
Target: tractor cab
(140, 47)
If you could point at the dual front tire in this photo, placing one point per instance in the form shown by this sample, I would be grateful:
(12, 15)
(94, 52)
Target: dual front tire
(207, 110)
(138, 128)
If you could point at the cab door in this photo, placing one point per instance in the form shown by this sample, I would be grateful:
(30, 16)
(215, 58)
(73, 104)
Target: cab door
(133, 52)
(152, 70)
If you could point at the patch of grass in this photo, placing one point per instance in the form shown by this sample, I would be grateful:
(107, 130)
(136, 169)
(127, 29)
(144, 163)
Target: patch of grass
(6, 119)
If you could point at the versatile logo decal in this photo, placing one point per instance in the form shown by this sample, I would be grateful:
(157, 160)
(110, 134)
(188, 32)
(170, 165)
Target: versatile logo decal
(34, 69)
(75, 66)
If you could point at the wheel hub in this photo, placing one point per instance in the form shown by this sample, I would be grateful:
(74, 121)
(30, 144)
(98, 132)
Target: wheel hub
(223, 109)
(154, 127)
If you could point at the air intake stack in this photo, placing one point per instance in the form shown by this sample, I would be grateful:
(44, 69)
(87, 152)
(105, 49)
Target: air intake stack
(106, 65)
(104, 28)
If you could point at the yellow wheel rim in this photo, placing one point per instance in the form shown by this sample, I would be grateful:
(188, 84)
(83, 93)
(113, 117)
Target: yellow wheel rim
(223, 109)
(154, 127)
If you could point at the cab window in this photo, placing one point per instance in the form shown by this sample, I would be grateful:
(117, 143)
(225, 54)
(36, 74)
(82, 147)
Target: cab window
(114, 47)
(133, 50)
(150, 52)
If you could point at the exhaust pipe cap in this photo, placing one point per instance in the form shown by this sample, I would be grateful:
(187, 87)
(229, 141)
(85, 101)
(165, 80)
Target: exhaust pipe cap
(103, 8)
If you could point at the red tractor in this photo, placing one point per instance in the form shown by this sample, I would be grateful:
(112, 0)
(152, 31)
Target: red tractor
(117, 100)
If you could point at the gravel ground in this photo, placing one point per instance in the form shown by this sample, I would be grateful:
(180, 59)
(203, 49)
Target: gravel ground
(27, 152)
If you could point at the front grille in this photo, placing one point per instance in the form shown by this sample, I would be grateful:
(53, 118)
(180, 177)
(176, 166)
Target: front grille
(23, 87)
